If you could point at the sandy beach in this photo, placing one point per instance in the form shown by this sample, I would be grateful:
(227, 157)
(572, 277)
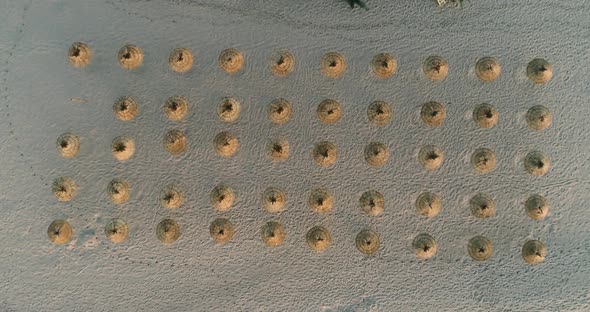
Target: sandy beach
(180, 172)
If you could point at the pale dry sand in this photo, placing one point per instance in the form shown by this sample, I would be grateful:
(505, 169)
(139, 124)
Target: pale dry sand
(38, 83)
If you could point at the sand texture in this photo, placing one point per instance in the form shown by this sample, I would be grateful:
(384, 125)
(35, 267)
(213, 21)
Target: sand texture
(44, 93)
